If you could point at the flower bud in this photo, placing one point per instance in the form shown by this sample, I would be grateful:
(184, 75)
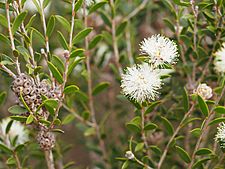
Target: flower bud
(129, 155)
(204, 91)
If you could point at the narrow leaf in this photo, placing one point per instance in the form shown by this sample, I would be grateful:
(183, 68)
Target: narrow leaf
(55, 72)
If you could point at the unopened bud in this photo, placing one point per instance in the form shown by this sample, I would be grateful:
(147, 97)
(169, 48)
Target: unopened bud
(129, 155)
(204, 91)
(66, 54)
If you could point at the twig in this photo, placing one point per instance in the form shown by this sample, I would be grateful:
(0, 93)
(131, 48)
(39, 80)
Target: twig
(143, 131)
(77, 116)
(204, 128)
(114, 38)
(137, 10)
(44, 27)
(11, 37)
(49, 159)
(17, 160)
(8, 71)
(91, 101)
(174, 135)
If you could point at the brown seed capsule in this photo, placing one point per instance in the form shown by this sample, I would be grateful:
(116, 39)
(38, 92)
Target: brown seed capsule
(46, 140)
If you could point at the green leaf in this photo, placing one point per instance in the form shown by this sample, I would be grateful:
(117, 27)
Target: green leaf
(77, 52)
(45, 3)
(62, 40)
(18, 21)
(150, 126)
(4, 39)
(55, 72)
(11, 161)
(100, 87)
(19, 118)
(30, 119)
(24, 103)
(2, 97)
(203, 106)
(70, 89)
(134, 124)
(125, 165)
(51, 103)
(139, 147)
(68, 119)
(58, 130)
(50, 26)
(196, 132)
(89, 132)
(217, 120)
(183, 154)
(156, 150)
(8, 126)
(169, 24)
(96, 6)
(29, 24)
(151, 107)
(3, 21)
(94, 41)
(74, 64)
(203, 151)
(16, 109)
(63, 21)
(120, 29)
(185, 100)
(78, 5)
(5, 149)
(55, 60)
(81, 35)
(19, 147)
(35, 34)
(220, 109)
(200, 162)
(168, 125)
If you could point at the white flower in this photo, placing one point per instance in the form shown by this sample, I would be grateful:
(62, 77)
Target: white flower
(89, 2)
(16, 130)
(204, 91)
(219, 61)
(129, 155)
(141, 83)
(160, 50)
(220, 135)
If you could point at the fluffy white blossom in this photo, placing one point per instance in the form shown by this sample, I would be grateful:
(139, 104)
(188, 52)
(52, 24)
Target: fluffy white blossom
(204, 91)
(160, 50)
(141, 82)
(16, 130)
(220, 135)
(219, 61)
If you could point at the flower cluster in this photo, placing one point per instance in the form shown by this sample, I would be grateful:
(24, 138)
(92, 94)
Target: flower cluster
(220, 136)
(219, 61)
(17, 131)
(142, 82)
(25, 86)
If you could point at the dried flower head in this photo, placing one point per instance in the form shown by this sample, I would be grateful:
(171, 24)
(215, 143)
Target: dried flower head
(129, 155)
(204, 91)
(141, 83)
(220, 135)
(219, 61)
(17, 131)
(160, 50)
